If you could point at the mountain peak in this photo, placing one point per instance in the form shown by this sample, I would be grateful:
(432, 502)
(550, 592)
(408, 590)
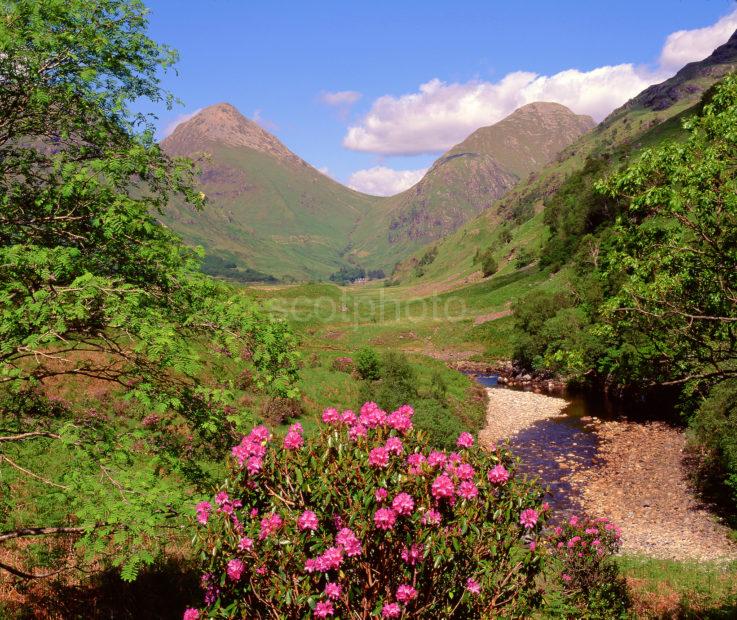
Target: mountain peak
(528, 138)
(223, 124)
(688, 82)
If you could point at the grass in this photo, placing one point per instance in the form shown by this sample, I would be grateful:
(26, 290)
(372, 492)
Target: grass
(670, 589)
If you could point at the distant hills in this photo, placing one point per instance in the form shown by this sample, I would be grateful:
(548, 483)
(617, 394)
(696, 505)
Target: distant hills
(268, 210)
(272, 215)
(653, 116)
(472, 175)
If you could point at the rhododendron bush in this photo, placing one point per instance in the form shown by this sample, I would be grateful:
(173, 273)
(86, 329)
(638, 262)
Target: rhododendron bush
(582, 548)
(365, 520)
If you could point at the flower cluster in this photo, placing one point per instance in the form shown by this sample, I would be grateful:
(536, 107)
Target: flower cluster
(584, 547)
(365, 510)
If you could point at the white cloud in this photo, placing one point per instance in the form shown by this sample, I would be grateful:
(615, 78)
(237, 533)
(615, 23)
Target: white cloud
(383, 181)
(325, 170)
(182, 118)
(687, 46)
(442, 114)
(340, 98)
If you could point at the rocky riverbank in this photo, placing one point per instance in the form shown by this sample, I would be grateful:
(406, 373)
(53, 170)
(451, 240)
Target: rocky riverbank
(510, 411)
(512, 376)
(633, 473)
(640, 480)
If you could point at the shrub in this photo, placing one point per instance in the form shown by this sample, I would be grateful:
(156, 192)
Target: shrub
(398, 381)
(438, 388)
(279, 410)
(525, 256)
(407, 532)
(715, 427)
(589, 577)
(343, 364)
(489, 265)
(367, 364)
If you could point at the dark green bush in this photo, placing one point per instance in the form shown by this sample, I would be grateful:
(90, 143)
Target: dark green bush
(489, 265)
(367, 364)
(715, 427)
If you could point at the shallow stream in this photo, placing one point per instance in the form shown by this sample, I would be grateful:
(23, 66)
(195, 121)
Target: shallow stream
(554, 448)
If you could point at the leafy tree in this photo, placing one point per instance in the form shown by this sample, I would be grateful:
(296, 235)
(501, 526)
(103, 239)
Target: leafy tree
(93, 289)
(675, 247)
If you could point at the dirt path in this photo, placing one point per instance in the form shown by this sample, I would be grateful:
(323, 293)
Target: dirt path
(636, 477)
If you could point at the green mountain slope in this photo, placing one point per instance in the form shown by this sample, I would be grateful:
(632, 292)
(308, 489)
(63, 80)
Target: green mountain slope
(268, 209)
(646, 120)
(468, 179)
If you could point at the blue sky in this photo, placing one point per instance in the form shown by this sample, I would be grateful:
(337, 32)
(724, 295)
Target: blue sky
(384, 87)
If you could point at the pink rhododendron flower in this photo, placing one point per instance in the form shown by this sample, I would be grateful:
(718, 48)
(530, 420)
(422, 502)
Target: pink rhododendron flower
(391, 610)
(405, 593)
(191, 614)
(399, 421)
(385, 518)
(592, 530)
(293, 441)
(465, 440)
(307, 521)
(245, 544)
(371, 415)
(203, 511)
(528, 517)
(498, 475)
(323, 609)
(269, 525)
(378, 457)
(348, 417)
(331, 559)
(436, 459)
(464, 471)
(235, 569)
(442, 486)
(403, 504)
(356, 431)
(380, 494)
(573, 520)
(533, 546)
(254, 465)
(394, 444)
(227, 506)
(473, 586)
(412, 555)
(406, 410)
(260, 434)
(567, 578)
(596, 543)
(467, 490)
(348, 541)
(330, 416)
(296, 428)
(221, 498)
(415, 461)
(333, 590)
(431, 517)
